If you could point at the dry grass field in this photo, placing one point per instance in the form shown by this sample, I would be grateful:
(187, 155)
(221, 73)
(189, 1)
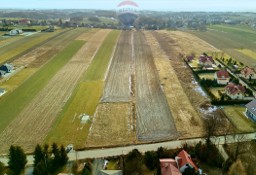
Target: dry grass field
(111, 128)
(31, 126)
(185, 116)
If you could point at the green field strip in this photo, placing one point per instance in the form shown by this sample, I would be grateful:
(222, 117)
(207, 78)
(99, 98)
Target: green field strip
(23, 45)
(85, 98)
(100, 63)
(12, 104)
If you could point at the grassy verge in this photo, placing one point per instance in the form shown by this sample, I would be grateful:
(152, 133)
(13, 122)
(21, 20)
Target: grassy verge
(236, 116)
(14, 102)
(68, 128)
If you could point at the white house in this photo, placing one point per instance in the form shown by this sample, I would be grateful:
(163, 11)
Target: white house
(222, 77)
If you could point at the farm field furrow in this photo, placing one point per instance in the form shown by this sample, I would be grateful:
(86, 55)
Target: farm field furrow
(32, 61)
(176, 79)
(42, 54)
(34, 121)
(154, 119)
(69, 128)
(118, 82)
(23, 45)
(113, 122)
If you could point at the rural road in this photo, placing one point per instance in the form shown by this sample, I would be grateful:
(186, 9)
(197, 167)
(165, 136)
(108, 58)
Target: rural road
(106, 152)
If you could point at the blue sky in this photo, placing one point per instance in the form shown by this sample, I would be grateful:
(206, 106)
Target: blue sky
(172, 5)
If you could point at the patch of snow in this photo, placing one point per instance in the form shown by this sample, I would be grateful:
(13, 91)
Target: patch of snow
(209, 110)
(84, 118)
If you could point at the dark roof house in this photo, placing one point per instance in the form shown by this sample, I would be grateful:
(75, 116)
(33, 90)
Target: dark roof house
(6, 67)
(251, 110)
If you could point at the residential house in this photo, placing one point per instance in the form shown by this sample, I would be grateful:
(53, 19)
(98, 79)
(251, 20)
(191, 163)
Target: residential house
(222, 77)
(2, 73)
(111, 172)
(7, 68)
(169, 167)
(251, 110)
(206, 61)
(235, 91)
(248, 72)
(184, 161)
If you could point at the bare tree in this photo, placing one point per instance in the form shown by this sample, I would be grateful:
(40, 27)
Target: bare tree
(212, 122)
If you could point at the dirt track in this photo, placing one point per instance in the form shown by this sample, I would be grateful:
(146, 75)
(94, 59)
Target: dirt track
(34, 122)
(154, 119)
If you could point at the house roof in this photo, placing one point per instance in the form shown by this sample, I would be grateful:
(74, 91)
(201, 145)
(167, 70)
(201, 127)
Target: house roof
(251, 106)
(169, 167)
(247, 71)
(222, 74)
(205, 58)
(235, 89)
(185, 158)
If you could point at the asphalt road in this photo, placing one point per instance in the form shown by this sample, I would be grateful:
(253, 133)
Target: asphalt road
(106, 152)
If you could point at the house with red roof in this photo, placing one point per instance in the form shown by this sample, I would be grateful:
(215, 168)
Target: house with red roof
(184, 161)
(248, 72)
(235, 91)
(206, 61)
(222, 77)
(169, 167)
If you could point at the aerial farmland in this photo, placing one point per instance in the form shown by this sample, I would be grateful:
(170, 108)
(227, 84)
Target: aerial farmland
(98, 87)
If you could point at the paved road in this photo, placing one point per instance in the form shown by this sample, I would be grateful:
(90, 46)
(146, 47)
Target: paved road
(106, 152)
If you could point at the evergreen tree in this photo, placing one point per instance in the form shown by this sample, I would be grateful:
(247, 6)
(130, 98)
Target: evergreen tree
(151, 160)
(17, 159)
(63, 156)
(40, 168)
(38, 155)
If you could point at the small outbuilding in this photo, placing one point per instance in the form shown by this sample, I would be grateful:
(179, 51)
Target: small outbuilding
(251, 110)
(6, 68)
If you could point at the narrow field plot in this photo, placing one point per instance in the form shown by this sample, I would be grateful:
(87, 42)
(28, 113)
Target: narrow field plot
(45, 52)
(189, 43)
(7, 40)
(118, 82)
(22, 45)
(185, 116)
(236, 115)
(100, 63)
(33, 123)
(87, 36)
(206, 76)
(154, 119)
(111, 125)
(18, 79)
(69, 128)
(85, 97)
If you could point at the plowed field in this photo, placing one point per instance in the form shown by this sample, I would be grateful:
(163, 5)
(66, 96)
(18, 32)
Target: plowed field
(154, 119)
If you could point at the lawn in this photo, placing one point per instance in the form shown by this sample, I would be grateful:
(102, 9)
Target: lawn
(215, 92)
(206, 76)
(13, 103)
(248, 53)
(237, 117)
(22, 45)
(85, 99)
